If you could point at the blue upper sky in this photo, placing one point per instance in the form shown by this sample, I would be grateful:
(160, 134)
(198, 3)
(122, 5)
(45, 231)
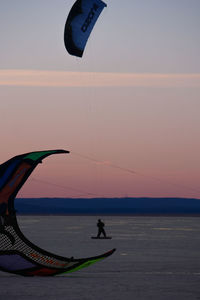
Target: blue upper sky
(130, 36)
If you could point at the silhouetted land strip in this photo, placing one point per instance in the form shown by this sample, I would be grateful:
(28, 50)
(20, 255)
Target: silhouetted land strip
(109, 206)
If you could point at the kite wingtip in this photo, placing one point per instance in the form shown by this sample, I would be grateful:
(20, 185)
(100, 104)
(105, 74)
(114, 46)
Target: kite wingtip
(62, 151)
(111, 252)
(67, 151)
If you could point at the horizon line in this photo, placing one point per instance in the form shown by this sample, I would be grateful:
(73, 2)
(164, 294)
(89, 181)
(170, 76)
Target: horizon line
(106, 197)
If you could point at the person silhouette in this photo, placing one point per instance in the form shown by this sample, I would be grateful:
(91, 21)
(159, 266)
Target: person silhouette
(100, 226)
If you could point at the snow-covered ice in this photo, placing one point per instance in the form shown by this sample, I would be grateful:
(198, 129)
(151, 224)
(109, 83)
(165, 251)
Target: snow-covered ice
(156, 258)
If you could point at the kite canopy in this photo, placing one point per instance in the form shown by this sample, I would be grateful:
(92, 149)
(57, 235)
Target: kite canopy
(80, 22)
(17, 254)
(15, 172)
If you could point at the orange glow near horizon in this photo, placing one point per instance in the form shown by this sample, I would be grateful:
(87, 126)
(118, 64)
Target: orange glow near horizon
(42, 78)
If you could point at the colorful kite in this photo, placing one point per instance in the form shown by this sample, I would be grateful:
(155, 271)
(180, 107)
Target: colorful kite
(17, 254)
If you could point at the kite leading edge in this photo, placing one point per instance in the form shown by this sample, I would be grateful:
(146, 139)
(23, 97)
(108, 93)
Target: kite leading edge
(17, 254)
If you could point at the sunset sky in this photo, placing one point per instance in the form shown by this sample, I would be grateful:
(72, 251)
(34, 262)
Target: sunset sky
(128, 110)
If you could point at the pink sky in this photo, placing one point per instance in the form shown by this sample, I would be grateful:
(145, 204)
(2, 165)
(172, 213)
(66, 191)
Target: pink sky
(139, 131)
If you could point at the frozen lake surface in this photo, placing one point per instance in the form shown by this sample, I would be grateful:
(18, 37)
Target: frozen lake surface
(156, 258)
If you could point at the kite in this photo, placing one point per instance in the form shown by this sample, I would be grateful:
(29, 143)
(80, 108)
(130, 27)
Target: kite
(80, 22)
(17, 254)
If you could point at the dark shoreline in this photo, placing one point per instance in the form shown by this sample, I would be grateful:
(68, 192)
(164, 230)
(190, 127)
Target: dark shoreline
(109, 206)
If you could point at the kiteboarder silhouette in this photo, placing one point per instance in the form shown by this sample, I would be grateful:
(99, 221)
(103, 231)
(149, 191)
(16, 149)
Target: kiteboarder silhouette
(101, 229)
